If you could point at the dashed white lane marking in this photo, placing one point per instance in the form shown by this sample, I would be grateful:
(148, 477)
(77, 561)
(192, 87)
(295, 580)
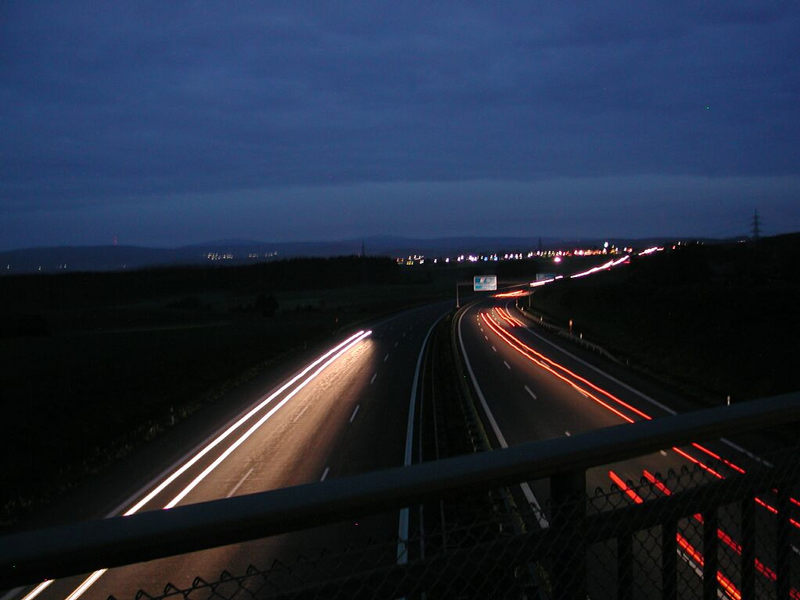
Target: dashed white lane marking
(486, 337)
(374, 375)
(355, 412)
(508, 366)
(493, 348)
(530, 391)
(300, 414)
(385, 358)
(325, 473)
(567, 433)
(526, 489)
(662, 453)
(241, 481)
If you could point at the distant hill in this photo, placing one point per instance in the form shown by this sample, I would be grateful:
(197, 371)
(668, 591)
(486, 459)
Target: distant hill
(111, 258)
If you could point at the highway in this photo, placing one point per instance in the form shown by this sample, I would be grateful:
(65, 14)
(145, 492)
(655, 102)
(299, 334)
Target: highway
(345, 412)
(350, 410)
(530, 388)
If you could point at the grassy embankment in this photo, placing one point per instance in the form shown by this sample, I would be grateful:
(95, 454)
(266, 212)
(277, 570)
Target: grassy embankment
(93, 365)
(710, 320)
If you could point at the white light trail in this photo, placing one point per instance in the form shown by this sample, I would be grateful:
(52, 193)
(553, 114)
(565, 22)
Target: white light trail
(331, 356)
(260, 422)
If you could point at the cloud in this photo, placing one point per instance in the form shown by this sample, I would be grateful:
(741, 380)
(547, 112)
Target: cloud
(634, 206)
(101, 103)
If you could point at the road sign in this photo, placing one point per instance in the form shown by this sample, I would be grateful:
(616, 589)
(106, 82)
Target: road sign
(484, 283)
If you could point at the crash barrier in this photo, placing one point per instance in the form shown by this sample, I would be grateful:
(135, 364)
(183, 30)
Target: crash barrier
(594, 515)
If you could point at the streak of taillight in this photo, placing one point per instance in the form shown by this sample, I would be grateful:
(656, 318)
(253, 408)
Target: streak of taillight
(508, 321)
(719, 458)
(625, 487)
(513, 319)
(774, 511)
(701, 464)
(726, 584)
(722, 535)
(656, 482)
(527, 351)
(550, 361)
(505, 336)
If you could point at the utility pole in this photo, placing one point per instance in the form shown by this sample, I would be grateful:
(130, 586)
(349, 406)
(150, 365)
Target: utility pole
(756, 227)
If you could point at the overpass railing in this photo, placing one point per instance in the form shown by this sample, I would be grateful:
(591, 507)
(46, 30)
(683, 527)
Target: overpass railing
(723, 528)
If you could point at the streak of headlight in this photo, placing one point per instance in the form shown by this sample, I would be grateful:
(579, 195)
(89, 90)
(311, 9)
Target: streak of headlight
(650, 251)
(336, 352)
(238, 423)
(38, 589)
(259, 423)
(88, 582)
(541, 282)
(604, 266)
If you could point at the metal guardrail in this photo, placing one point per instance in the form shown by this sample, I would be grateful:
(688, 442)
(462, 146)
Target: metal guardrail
(29, 557)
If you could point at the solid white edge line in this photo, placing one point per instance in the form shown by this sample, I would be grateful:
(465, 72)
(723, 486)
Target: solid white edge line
(526, 489)
(402, 528)
(644, 396)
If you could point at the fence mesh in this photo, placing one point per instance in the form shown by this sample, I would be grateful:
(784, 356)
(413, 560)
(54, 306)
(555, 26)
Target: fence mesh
(694, 532)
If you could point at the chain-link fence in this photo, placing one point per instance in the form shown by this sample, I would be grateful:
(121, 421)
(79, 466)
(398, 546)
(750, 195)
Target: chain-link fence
(710, 531)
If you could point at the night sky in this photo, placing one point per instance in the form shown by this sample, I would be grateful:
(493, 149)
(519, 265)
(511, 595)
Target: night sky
(170, 123)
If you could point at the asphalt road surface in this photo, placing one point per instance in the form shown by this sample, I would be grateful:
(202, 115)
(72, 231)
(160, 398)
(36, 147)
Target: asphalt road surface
(345, 412)
(530, 388)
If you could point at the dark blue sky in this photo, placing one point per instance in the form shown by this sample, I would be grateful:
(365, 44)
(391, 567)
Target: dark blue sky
(168, 123)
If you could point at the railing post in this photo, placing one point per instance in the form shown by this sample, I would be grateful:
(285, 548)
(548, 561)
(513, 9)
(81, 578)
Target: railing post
(625, 566)
(568, 497)
(748, 548)
(710, 557)
(783, 549)
(669, 560)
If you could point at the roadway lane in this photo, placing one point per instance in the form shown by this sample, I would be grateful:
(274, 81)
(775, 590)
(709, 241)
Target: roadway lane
(345, 414)
(532, 390)
(533, 399)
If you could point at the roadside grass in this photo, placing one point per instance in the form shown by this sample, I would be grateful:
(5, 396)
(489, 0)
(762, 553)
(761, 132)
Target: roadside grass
(709, 335)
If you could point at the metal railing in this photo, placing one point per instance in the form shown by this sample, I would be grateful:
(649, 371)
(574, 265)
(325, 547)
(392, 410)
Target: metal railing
(558, 561)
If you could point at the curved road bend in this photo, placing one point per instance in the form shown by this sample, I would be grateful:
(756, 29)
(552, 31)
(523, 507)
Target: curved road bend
(532, 389)
(344, 414)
